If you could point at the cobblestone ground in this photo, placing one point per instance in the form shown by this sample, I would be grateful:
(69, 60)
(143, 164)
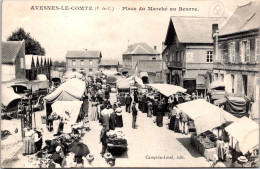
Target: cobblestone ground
(148, 145)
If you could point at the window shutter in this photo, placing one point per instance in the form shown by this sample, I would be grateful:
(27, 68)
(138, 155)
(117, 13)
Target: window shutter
(237, 56)
(240, 52)
(228, 58)
(248, 51)
(252, 50)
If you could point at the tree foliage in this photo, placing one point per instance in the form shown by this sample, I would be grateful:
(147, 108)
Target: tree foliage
(32, 46)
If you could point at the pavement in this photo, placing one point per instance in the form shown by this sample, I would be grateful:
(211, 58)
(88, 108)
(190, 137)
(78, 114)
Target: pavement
(148, 145)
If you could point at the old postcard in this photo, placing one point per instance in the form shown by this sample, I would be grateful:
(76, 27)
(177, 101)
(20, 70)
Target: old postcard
(138, 83)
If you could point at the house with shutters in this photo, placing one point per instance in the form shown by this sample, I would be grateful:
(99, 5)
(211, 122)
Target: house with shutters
(13, 60)
(84, 61)
(237, 50)
(188, 52)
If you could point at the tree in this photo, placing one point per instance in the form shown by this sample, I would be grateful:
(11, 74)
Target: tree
(32, 46)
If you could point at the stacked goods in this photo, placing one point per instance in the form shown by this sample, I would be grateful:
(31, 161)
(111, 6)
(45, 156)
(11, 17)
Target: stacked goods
(116, 138)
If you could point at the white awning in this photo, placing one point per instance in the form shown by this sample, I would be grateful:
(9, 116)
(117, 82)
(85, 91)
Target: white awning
(246, 132)
(167, 89)
(205, 115)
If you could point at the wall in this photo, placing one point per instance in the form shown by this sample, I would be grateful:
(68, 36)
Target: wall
(20, 64)
(86, 67)
(8, 72)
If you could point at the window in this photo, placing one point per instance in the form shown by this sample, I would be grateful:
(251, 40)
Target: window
(22, 63)
(82, 63)
(233, 83)
(215, 76)
(209, 56)
(73, 62)
(222, 77)
(90, 63)
(181, 57)
(244, 50)
(177, 56)
(231, 52)
(257, 50)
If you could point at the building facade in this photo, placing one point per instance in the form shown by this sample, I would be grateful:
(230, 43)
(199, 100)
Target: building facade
(109, 66)
(189, 52)
(150, 71)
(13, 60)
(138, 51)
(83, 61)
(236, 54)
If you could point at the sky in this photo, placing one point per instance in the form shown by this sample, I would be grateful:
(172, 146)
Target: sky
(109, 31)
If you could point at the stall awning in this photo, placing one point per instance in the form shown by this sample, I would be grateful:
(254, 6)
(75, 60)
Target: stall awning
(73, 89)
(123, 84)
(205, 115)
(216, 84)
(33, 85)
(8, 96)
(167, 89)
(41, 77)
(71, 107)
(70, 75)
(143, 74)
(246, 132)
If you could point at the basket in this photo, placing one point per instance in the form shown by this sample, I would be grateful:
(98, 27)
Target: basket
(43, 119)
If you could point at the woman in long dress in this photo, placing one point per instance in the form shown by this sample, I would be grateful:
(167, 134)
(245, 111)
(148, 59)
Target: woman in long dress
(119, 119)
(28, 142)
(94, 111)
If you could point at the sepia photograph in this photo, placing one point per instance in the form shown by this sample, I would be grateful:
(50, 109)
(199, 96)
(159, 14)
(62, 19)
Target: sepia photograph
(162, 83)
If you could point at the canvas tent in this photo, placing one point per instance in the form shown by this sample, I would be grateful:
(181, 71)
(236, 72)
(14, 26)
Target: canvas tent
(206, 116)
(123, 84)
(246, 132)
(9, 98)
(41, 77)
(69, 110)
(73, 89)
(167, 89)
(216, 84)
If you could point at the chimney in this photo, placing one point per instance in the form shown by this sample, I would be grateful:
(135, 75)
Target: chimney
(155, 48)
(214, 28)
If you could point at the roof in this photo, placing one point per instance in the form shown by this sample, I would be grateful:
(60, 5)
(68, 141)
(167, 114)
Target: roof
(139, 49)
(10, 50)
(244, 18)
(83, 54)
(149, 65)
(109, 63)
(193, 29)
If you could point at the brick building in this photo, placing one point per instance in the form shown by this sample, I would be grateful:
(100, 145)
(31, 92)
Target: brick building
(236, 54)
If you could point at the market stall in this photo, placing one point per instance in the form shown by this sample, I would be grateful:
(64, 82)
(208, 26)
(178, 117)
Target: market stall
(216, 90)
(116, 142)
(123, 88)
(206, 117)
(236, 104)
(111, 80)
(69, 111)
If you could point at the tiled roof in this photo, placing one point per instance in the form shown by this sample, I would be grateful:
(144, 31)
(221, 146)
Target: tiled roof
(83, 54)
(245, 18)
(149, 65)
(10, 50)
(109, 63)
(194, 29)
(140, 48)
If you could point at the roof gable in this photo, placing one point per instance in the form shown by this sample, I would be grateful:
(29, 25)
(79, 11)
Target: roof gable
(140, 48)
(244, 18)
(83, 54)
(192, 29)
(10, 50)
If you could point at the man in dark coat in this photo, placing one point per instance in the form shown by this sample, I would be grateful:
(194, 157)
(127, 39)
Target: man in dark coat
(159, 116)
(134, 112)
(103, 139)
(112, 121)
(128, 101)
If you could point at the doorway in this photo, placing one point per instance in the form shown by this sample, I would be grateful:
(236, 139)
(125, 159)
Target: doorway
(244, 77)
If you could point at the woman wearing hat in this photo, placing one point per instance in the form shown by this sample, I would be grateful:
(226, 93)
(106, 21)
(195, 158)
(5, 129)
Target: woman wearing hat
(59, 157)
(28, 141)
(119, 119)
(37, 139)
